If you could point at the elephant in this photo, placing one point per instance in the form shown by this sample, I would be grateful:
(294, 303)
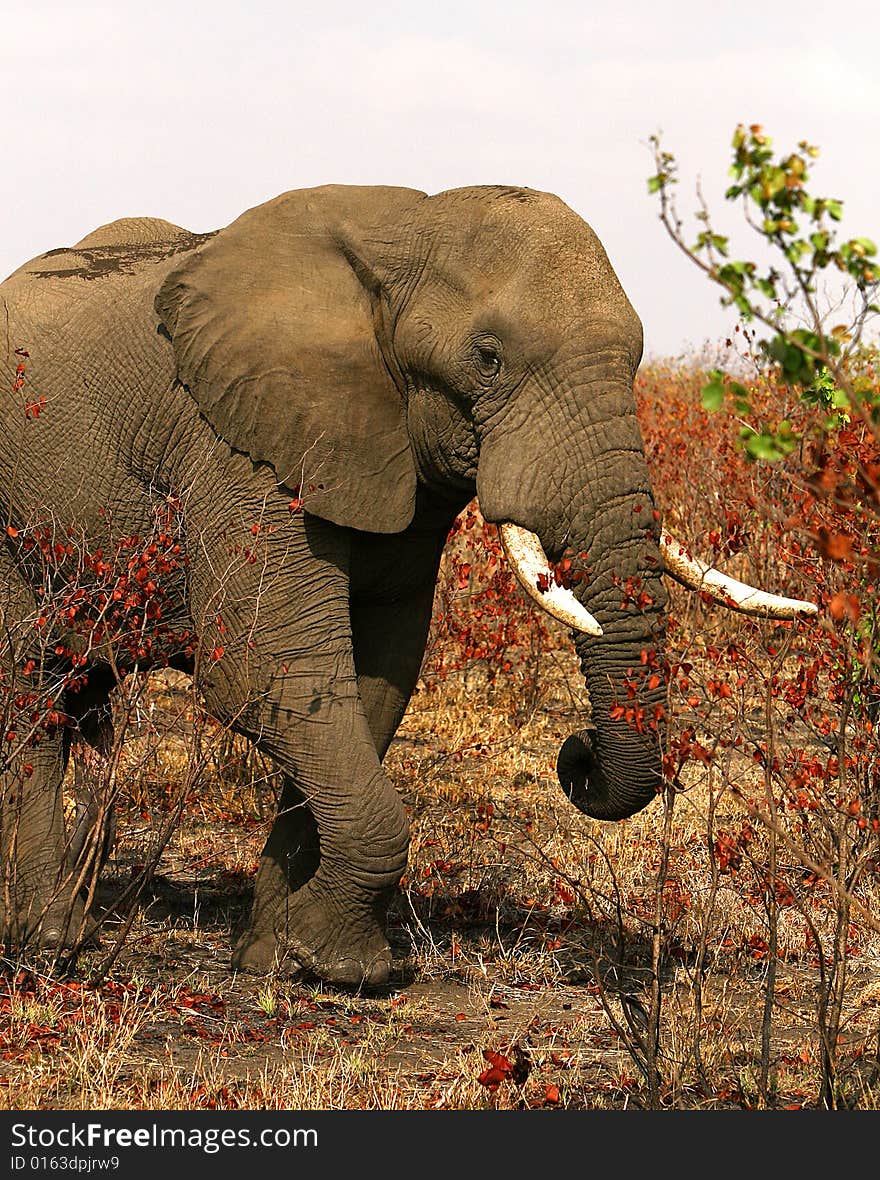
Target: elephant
(298, 406)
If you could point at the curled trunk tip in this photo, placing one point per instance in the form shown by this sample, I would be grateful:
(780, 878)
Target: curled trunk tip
(596, 786)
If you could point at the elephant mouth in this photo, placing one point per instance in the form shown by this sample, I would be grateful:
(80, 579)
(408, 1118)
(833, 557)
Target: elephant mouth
(536, 574)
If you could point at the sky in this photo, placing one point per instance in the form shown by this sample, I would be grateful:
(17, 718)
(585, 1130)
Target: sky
(196, 111)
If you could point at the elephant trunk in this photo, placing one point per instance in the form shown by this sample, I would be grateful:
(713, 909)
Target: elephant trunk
(602, 507)
(614, 768)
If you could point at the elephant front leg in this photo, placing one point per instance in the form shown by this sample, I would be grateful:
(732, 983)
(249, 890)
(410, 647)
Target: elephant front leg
(389, 643)
(389, 639)
(334, 924)
(287, 680)
(330, 866)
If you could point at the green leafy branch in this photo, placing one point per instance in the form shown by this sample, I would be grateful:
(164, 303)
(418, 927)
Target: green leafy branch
(800, 229)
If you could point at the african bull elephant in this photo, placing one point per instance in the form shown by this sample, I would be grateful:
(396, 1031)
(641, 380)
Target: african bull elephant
(304, 401)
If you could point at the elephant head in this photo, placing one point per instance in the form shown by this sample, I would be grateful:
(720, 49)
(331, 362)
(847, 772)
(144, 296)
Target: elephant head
(377, 346)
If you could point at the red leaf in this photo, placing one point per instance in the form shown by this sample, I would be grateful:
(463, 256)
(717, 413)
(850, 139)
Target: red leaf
(835, 546)
(498, 1060)
(844, 606)
(492, 1078)
(551, 1095)
(499, 1069)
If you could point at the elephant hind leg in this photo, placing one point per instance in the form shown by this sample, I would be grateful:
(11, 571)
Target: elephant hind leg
(290, 859)
(40, 900)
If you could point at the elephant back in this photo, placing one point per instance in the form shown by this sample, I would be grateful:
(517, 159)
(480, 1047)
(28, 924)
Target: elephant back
(135, 231)
(120, 247)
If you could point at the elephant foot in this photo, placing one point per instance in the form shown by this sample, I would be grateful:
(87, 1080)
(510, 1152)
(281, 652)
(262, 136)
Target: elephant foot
(367, 968)
(350, 951)
(58, 927)
(344, 946)
(262, 954)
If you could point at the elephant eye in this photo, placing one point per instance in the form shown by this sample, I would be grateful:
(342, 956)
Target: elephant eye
(487, 361)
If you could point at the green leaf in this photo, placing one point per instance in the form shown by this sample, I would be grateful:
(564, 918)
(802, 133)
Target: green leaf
(795, 250)
(712, 396)
(766, 446)
(866, 245)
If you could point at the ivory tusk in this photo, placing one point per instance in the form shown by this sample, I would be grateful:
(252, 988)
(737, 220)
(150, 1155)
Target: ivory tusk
(529, 562)
(696, 575)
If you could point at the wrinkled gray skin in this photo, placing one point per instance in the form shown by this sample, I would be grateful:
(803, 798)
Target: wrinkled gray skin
(397, 352)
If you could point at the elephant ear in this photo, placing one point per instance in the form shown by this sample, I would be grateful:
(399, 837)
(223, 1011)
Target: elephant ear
(276, 325)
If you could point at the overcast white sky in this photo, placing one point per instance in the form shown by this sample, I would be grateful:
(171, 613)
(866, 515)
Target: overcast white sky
(195, 111)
